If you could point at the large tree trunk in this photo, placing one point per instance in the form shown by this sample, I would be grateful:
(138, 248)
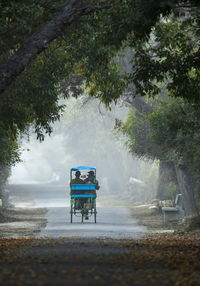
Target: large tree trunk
(72, 11)
(4, 175)
(185, 183)
(167, 179)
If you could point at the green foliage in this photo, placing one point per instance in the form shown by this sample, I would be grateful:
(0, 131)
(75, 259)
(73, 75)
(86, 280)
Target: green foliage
(170, 132)
(86, 49)
(170, 58)
(33, 98)
(20, 19)
(136, 128)
(194, 224)
(84, 58)
(35, 94)
(175, 127)
(9, 154)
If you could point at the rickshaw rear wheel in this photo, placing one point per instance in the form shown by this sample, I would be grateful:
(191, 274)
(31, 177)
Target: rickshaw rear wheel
(95, 215)
(71, 213)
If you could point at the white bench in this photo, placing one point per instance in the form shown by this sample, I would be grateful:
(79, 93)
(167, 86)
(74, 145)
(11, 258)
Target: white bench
(174, 213)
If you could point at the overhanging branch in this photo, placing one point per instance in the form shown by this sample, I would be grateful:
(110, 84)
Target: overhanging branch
(71, 12)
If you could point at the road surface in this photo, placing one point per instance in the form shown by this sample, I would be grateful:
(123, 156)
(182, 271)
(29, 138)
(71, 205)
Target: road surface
(112, 222)
(82, 254)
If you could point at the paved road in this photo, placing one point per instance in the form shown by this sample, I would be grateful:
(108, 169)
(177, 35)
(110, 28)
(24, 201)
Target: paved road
(82, 254)
(88, 262)
(112, 222)
(87, 254)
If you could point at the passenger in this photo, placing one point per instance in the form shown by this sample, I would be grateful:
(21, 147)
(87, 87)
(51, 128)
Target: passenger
(77, 179)
(91, 180)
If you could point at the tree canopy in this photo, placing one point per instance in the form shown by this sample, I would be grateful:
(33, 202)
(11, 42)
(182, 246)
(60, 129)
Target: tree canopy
(54, 49)
(86, 48)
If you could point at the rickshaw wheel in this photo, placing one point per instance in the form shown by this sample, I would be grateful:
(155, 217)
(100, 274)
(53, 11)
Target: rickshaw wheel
(71, 212)
(95, 216)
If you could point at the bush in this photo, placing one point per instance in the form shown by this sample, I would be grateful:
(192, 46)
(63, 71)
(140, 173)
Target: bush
(194, 223)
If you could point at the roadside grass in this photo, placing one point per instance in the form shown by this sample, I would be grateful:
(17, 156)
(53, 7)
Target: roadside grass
(152, 218)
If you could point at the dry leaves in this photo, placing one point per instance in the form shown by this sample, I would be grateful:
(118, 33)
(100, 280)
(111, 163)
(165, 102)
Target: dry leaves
(154, 260)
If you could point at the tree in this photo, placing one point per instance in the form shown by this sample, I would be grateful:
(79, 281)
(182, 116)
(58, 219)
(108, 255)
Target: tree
(54, 54)
(170, 59)
(34, 45)
(170, 133)
(168, 63)
(75, 46)
(9, 155)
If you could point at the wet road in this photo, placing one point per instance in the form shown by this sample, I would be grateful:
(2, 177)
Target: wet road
(112, 222)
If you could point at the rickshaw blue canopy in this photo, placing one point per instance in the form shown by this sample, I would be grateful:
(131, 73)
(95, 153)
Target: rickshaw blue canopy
(83, 168)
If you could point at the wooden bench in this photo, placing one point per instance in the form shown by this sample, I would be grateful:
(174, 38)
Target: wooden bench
(174, 213)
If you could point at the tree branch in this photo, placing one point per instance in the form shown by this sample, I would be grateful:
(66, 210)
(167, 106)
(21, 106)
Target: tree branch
(72, 11)
(138, 103)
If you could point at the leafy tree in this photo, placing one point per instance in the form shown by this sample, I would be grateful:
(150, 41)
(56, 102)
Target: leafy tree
(42, 54)
(86, 48)
(169, 59)
(9, 155)
(170, 134)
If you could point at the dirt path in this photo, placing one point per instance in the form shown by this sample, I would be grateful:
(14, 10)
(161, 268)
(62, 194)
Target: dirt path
(154, 260)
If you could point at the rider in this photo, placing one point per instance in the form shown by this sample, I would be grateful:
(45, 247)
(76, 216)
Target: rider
(91, 180)
(77, 179)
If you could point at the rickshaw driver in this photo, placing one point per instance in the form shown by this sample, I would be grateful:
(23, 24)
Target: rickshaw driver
(91, 180)
(77, 179)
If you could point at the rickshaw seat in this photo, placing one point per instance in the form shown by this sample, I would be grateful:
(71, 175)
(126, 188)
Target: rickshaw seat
(83, 196)
(83, 190)
(82, 187)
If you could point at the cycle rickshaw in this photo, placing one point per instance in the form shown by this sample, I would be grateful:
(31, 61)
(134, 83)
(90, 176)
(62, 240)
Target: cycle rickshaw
(83, 196)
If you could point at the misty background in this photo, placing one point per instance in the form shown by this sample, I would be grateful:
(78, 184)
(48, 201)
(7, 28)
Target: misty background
(85, 135)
